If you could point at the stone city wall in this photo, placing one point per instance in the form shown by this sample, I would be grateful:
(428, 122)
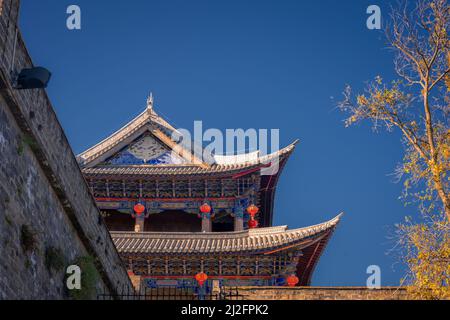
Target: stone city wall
(322, 293)
(48, 217)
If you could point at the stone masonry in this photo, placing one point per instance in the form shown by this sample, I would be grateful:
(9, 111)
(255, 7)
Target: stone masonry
(322, 293)
(47, 214)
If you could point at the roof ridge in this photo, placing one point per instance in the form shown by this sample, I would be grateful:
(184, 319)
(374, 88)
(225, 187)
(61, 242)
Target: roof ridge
(145, 118)
(90, 152)
(230, 234)
(327, 224)
(268, 230)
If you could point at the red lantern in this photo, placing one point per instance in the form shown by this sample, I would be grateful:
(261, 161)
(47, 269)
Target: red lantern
(252, 210)
(252, 223)
(205, 208)
(201, 278)
(292, 280)
(139, 209)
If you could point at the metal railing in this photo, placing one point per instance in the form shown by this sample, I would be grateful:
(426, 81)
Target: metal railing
(173, 293)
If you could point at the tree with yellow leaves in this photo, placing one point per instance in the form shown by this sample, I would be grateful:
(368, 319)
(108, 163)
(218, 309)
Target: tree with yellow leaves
(426, 251)
(418, 104)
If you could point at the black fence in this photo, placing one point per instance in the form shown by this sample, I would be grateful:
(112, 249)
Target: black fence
(173, 293)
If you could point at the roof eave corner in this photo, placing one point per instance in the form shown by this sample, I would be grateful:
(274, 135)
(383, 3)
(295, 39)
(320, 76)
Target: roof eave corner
(336, 220)
(288, 150)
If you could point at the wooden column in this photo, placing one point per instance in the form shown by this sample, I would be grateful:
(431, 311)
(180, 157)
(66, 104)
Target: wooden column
(139, 224)
(238, 266)
(238, 218)
(149, 267)
(238, 223)
(166, 265)
(205, 215)
(206, 223)
(107, 188)
(157, 188)
(190, 188)
(257, 266)
(173, 189)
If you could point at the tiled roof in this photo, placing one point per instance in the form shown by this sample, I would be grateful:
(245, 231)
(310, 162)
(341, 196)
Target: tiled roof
(149, 170)
(260, 240)
(150, 121)
(145, 118)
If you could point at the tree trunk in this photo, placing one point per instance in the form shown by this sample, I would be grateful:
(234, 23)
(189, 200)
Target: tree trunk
(443, 196)
(433, 154)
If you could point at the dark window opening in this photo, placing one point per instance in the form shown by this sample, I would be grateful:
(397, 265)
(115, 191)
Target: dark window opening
(118, 221)
(222, 222)
(173, 221)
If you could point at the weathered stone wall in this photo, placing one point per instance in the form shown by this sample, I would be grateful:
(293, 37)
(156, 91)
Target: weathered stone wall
(47, 214)
(318, 293)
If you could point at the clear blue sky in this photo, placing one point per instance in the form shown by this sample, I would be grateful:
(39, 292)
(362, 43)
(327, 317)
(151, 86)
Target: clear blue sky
(241, 64)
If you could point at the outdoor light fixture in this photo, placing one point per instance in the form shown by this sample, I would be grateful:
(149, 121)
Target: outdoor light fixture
(33, 78)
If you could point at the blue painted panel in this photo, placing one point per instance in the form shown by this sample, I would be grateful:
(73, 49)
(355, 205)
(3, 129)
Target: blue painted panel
(145, 150)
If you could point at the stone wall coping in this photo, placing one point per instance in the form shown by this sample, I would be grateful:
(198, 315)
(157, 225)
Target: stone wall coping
(321, 288)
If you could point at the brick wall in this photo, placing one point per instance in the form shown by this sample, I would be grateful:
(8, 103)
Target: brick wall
(322, 293)
(42, 190)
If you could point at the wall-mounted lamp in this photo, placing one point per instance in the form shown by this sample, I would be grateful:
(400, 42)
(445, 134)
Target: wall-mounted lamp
(33, 78)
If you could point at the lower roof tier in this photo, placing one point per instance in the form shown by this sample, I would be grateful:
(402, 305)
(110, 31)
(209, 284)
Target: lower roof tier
(262, 240)
(265, 253)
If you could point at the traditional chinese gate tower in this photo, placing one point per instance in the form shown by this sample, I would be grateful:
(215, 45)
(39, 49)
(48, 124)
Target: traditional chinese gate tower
(173, 217)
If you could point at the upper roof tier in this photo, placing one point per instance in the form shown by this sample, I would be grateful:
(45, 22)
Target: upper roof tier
(144, 147)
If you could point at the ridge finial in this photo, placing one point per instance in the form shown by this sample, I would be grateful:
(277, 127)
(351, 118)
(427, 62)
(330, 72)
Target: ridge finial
(150, 102)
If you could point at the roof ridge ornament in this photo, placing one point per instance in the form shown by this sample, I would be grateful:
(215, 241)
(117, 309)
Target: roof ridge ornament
(150, 100)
